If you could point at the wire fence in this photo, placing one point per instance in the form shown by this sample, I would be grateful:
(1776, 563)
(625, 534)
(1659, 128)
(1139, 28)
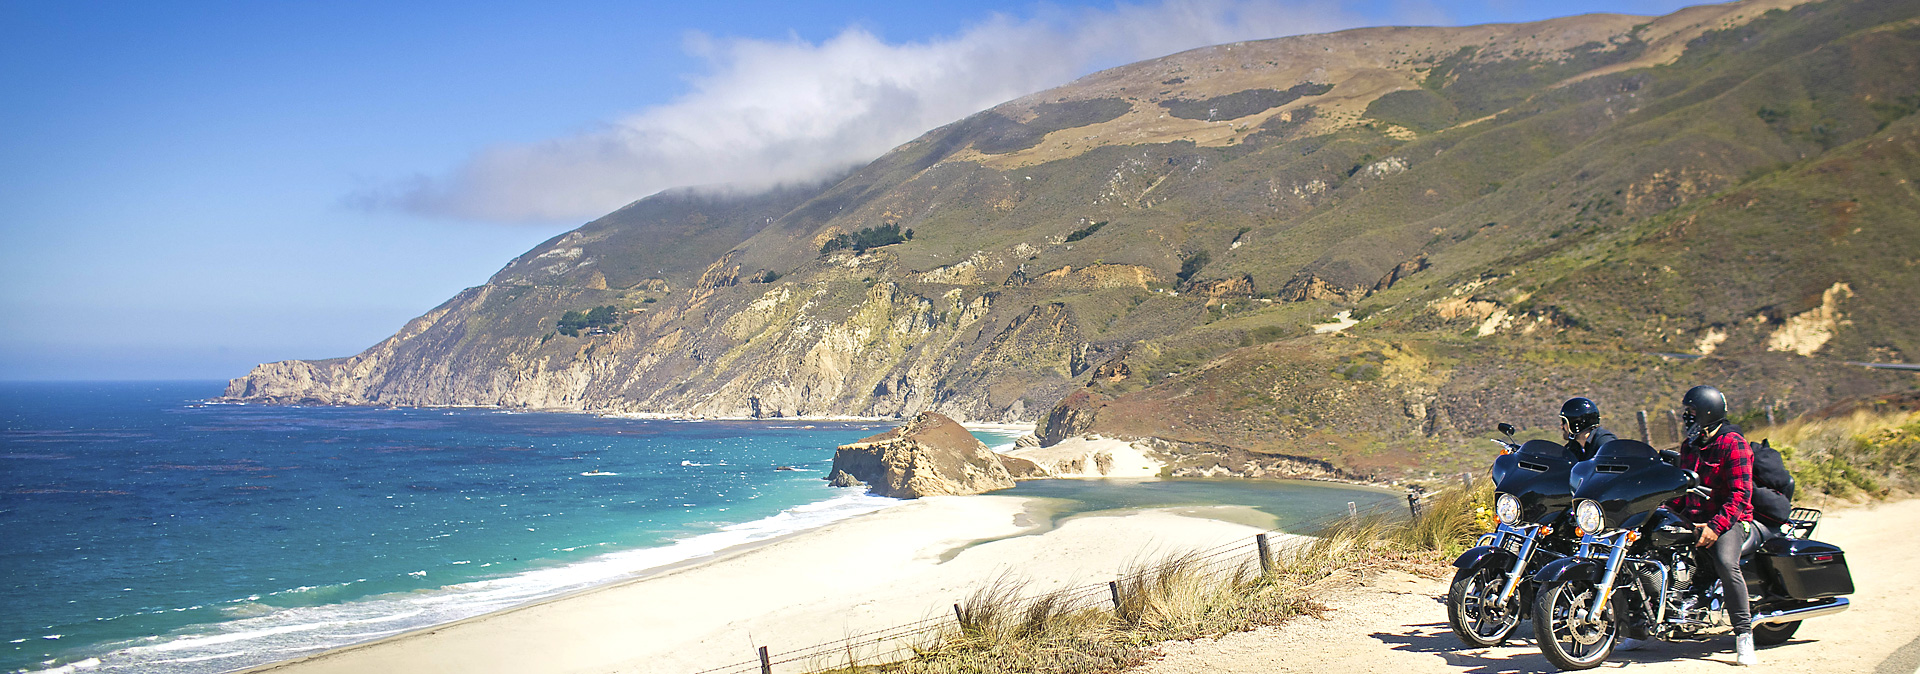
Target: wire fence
(899, 641)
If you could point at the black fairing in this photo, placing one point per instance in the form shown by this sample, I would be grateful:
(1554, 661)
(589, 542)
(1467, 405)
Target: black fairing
(1629, 480)
(1537, 475)
(1671, 530)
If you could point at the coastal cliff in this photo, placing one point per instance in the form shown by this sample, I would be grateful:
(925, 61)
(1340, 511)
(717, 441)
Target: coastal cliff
(1335, 254)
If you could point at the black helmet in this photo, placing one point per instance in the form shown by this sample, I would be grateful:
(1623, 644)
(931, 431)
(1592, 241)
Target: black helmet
(1581, 415)
(1704, 408)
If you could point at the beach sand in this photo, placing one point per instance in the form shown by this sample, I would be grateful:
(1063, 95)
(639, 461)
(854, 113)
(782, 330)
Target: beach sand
(895, 566)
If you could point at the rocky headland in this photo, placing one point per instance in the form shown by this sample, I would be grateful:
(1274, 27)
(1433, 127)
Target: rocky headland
(930, 455)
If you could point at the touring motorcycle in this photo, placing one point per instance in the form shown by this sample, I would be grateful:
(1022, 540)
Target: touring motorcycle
(1493, 591)
(1634, 572)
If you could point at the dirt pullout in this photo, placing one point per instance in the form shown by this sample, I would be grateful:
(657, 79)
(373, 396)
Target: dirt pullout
(1398, 623)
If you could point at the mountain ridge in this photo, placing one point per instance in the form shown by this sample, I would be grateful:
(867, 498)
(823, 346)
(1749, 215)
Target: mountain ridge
(1468, 206)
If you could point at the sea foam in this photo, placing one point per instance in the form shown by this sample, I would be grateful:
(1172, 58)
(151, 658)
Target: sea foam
(233, 644)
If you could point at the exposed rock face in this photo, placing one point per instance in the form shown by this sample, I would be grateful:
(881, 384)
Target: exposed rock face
(1071, 417)
(1401, 271)
(928, 456)
(1022, 469)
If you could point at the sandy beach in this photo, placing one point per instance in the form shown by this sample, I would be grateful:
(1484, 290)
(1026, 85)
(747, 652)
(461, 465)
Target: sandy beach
(899, 565)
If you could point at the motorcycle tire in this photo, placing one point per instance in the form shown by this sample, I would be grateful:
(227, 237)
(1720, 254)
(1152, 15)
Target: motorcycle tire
(1472, 620)
(1572, 646)
(1774, 634)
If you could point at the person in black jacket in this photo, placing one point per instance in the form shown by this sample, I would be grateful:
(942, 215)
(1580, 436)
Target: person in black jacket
(1580, 423)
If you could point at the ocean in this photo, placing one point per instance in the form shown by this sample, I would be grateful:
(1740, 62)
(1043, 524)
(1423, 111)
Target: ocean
(147, 531)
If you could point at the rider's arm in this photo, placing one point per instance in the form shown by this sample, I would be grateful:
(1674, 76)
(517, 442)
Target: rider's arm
(1737, 482)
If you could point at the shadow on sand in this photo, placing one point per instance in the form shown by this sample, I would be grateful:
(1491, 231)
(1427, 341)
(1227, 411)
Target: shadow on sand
(1519, 654)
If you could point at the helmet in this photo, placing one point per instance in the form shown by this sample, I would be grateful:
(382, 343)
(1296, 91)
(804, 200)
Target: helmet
(1580, 415)
(1704, 409)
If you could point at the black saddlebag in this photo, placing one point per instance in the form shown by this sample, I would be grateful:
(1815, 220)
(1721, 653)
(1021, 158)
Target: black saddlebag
(1807, 569)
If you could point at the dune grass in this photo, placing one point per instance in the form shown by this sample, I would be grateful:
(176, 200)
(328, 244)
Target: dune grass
(1865, 454)
(1002, 628)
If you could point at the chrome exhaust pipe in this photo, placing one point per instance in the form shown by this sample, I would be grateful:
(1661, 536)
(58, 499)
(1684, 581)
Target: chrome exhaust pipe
(1830, 607)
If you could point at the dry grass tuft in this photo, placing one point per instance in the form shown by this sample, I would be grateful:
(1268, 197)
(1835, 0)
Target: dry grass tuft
(1870, 454)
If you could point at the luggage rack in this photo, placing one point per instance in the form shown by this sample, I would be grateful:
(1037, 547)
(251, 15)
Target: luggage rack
(1800, 522)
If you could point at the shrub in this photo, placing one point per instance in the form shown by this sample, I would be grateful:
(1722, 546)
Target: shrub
(869, 237)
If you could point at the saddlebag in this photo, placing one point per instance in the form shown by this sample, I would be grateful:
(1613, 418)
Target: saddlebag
(1807, 569)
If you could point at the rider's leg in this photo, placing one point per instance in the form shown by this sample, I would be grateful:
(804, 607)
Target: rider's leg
(1733, 583)
(1733, 586)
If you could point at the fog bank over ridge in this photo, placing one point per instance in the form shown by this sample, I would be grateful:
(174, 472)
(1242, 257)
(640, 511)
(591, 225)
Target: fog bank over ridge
(769, 112)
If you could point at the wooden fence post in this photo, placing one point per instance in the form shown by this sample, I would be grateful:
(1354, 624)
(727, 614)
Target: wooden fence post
(1113, 587)
(1266, 556)
(958, 616)
(1466, 480)
(766, 664)
(1413, 505)
(1352, 510)
(1646, 432)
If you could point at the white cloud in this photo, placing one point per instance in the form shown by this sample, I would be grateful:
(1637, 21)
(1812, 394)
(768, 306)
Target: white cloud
(772, 112)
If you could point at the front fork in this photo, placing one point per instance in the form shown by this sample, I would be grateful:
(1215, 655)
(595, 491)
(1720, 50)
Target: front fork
(1529, 535)
(1614, 546)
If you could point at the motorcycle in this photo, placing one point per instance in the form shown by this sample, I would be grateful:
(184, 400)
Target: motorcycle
(1492, 591)
(1634, 572)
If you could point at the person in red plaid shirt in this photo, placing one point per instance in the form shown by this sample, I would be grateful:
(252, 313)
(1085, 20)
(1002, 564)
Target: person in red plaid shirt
(1716, 450)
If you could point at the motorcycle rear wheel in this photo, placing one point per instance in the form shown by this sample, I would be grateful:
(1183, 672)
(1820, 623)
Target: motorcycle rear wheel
(1469, 609)
(1774, 634)
(1569, 645)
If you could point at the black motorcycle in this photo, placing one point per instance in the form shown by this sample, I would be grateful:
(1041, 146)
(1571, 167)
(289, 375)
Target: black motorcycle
(1492, 592)
(1634, 572)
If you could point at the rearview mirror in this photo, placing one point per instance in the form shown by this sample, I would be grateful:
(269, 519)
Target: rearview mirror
(1507, 428)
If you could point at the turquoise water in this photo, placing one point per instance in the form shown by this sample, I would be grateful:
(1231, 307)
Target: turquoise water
(1293, 506)
(145, 531)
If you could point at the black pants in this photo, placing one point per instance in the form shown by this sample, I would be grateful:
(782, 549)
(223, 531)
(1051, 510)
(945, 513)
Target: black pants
(1725, 554)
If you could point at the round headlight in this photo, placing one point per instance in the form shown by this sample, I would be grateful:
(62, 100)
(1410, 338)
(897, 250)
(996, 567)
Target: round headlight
(1587, 514)
(1507, 508)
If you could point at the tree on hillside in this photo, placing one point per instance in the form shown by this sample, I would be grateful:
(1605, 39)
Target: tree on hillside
(602, 318)
(869, 237)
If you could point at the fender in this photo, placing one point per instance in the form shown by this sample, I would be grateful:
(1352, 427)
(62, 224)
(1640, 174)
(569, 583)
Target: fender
(1484, 556)
(1569, 568)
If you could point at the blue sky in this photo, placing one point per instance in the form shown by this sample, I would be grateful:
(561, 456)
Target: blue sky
(190, 188)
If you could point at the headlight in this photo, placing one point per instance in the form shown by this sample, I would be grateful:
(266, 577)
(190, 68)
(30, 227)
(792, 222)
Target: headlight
(1587, 514)
(1507, 508)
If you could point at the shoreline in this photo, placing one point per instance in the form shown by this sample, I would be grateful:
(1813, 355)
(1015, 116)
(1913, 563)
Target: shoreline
(871, 571)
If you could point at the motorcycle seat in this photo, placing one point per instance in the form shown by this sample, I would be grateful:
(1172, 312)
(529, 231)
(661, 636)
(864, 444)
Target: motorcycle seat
(1757, 533)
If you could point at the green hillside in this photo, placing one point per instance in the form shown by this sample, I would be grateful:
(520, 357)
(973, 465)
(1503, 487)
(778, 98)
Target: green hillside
(1503, 215)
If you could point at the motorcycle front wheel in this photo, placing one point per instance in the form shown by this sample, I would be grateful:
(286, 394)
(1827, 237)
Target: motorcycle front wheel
(1471, 611)
(1569, 642)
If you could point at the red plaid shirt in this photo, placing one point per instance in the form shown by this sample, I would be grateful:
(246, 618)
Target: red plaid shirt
(1725, 466)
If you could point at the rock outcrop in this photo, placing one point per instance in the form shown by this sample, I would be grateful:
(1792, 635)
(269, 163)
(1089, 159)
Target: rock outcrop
(928, 456)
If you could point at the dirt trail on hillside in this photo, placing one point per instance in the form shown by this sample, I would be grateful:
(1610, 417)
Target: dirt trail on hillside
(1398, 624)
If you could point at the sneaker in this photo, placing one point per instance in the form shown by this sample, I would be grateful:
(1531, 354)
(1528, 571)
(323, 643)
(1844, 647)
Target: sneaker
(1630, 644)
(1743, 650)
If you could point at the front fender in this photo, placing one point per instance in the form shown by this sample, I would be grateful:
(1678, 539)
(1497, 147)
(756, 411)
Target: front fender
(1569, 568)
(1484, 556)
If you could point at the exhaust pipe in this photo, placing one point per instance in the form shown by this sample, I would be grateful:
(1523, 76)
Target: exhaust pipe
(1829, 607)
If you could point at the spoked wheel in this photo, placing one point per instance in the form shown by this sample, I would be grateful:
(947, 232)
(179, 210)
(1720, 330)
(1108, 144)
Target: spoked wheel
(1567, 639)
(1774, 634)
(1471, 610)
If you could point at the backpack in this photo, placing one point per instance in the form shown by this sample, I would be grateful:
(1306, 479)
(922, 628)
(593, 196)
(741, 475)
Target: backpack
(1769, 470)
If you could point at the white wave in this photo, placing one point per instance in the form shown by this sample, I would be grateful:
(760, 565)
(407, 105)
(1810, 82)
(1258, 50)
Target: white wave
(271, 636)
